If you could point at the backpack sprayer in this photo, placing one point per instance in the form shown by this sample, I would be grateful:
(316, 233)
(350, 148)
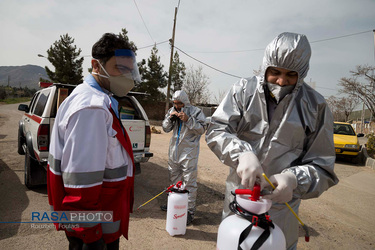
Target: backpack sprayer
(176, 208)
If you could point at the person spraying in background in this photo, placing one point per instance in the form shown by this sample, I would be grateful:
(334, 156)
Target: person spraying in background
(276, 124)
(188, 124)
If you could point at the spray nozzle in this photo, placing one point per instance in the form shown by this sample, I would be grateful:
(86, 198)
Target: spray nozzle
(255, 193)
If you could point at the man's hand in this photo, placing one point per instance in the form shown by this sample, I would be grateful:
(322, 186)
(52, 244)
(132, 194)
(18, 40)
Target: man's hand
(183, 116)
(249, 170)
(285, 183)
(173, 113)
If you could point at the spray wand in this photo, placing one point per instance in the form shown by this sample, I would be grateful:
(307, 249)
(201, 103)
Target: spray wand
(304, 226)
(178, 184)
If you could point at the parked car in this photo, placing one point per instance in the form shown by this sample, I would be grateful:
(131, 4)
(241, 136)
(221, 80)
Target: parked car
(346, 140)
(36, 125)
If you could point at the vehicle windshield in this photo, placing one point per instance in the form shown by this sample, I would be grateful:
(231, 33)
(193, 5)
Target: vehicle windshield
(343, 129)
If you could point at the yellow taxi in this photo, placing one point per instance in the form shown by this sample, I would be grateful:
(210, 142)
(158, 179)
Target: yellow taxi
(346, 140)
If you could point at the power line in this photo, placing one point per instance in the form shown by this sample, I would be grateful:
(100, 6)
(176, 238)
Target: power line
(148, 46)
(206, 63)
(338, 37)
(143, 21)
(324, 88)
(262, 49)
(229, 51)
(238, 51)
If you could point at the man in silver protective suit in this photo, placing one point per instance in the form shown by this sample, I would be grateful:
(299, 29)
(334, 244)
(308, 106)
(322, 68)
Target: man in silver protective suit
(276, 124)
(188, 124)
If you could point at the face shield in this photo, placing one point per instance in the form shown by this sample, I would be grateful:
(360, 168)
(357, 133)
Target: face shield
(127, 64)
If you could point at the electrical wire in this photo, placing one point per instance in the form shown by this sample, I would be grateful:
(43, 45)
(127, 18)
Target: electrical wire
(262, 49)
(238, 51)
(206, 64)
(338, 37)
(143, 21)
(148, 46)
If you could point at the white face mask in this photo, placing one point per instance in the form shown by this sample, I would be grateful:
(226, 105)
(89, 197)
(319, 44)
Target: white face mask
(118, 85)
(278, 91)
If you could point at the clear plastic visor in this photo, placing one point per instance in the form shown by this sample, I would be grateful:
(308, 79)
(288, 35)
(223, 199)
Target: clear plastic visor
(127, 64)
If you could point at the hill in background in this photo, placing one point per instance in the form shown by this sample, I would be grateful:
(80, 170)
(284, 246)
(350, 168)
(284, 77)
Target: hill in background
(22, 76)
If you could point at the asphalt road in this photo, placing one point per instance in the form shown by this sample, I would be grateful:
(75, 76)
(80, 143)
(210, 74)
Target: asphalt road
(341, 218)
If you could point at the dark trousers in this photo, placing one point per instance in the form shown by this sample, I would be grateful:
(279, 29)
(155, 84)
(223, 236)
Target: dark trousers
(78, 244)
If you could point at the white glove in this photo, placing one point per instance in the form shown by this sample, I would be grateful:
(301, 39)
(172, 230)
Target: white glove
(285, 183)
(249, 169)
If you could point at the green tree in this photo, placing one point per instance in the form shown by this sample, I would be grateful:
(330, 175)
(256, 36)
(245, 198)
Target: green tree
(124, 35)
(177, 73)
(64, 57)
(3, 93)
(154, 78)
(142, 67)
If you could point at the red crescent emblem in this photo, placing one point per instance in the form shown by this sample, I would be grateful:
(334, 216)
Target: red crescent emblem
(130, 129)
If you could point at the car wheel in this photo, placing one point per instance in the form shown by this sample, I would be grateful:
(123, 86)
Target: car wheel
(356, 160)
(21, 141)
(137, 168)
(35, 174)
(28, 165)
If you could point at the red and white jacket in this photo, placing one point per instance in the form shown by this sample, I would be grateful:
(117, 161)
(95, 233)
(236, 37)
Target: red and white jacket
(91, 164)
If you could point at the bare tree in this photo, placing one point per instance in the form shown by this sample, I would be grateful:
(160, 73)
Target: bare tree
(219, 97)
(258, 71)
(361, 85)
(195, 85)
(341, 108)
(348, 104)
(335, 109)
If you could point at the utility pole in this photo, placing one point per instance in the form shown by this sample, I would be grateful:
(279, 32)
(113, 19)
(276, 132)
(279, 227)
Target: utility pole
(372, 85)
(170, 62)
(363, 118)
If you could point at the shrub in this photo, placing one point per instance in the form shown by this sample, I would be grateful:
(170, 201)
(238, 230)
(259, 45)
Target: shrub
(371, 145)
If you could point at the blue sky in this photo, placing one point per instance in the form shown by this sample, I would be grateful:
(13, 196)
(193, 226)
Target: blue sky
(227, 35)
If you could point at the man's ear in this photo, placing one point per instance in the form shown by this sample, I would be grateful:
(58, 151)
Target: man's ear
(95, 65)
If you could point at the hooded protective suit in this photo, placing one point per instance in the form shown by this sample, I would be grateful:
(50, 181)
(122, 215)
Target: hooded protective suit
(298, 138)
(184, 146)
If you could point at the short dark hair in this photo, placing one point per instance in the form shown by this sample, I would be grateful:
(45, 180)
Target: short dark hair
(106, 46)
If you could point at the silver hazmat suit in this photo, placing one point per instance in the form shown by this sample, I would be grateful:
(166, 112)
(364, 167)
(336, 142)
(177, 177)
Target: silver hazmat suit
(298, 139)
(184, 146)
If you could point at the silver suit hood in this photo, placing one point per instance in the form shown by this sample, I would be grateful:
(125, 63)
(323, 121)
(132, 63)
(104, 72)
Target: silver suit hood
(289, 51)
(181, 96)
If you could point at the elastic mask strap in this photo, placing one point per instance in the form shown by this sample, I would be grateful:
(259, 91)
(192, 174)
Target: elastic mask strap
(94, 73)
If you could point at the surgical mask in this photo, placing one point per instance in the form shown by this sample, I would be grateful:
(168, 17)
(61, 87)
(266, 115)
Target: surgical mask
(119, 85)
(279, 92)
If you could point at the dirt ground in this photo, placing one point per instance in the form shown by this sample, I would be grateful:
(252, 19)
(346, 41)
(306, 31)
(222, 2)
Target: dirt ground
(334, 222)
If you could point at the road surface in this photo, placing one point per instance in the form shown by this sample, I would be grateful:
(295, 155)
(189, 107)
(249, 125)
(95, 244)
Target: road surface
(342, 218)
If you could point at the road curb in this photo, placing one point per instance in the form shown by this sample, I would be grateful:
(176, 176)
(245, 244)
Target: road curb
(369, 162)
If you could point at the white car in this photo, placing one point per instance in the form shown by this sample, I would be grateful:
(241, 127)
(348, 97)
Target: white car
(37, 122)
